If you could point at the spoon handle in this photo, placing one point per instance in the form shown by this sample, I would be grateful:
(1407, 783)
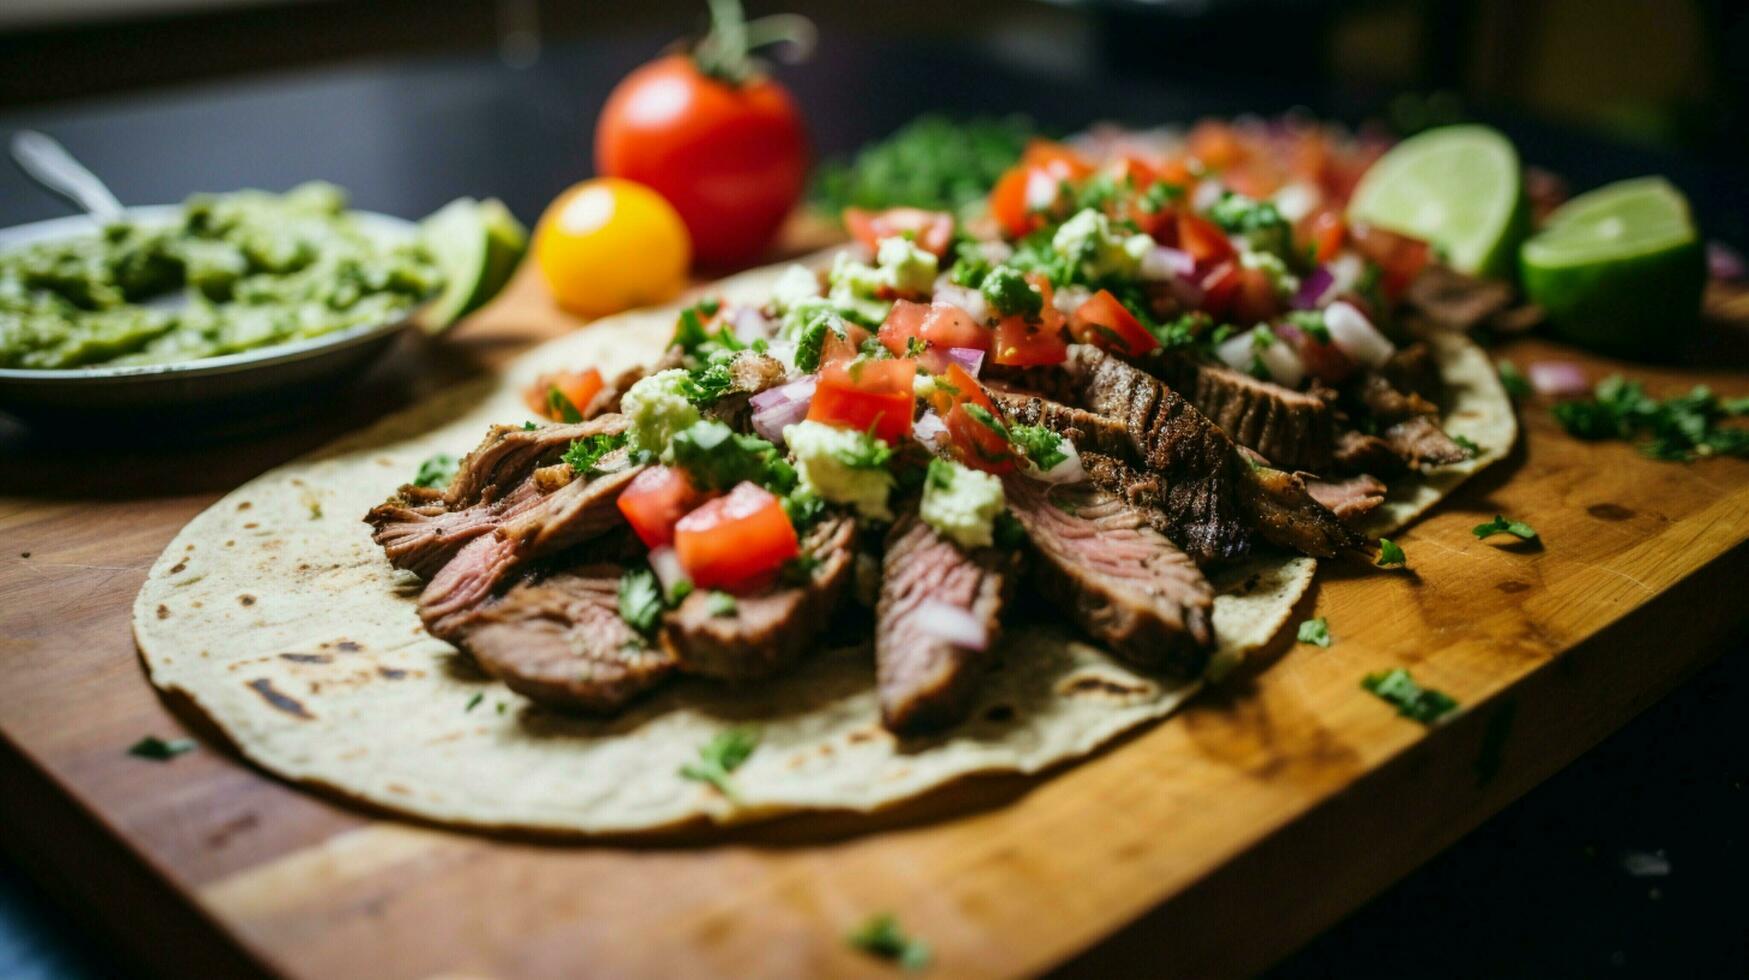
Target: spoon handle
(48, 163)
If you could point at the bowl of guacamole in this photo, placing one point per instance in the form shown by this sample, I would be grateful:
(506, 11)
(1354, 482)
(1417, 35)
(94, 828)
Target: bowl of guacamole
(221, 295)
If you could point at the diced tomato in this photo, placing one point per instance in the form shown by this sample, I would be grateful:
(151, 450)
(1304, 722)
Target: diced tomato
(843, 348)
(1133, 169)
(970, 440)
(577, 388)
(949, 326)
(1323, 360)
(655, 500)
(1400, 258)
(931, 230)
(1024, 198)
(1218, 288)
(1024, 342)
(867, 395)
(904, 323)
(1254, 178)
(737, 542)
(1254, 300)
(1056, 159)
(1106, 323)
(1323, 231)
(1217, 145)
(940, 326)
(1203, 239)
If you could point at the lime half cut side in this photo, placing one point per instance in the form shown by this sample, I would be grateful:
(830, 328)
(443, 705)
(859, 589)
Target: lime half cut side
(477, 244)
(1620, 268)
(1457, 187)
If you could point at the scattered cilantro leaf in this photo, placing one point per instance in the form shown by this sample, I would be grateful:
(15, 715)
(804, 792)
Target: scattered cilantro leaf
(1257, 222)
(1390, 554)
(585, 453)
(474, 702)
(812, 341)
(437, 470)
(1423, 704)
(1315, 631)
(529, 427)
(1513, 380)
(719, 757)
(560, 407)
(693, 339)
(161, 749)
(1009, 294)
(1500, 525)
(803, 509)
(717, 457)
(703, 385)
(1041, 445)
(869, 453)
(932, 162)
(720, 603)
(679, 592)
(1468, 445)
(1679, 429)
(640, 599)
(880, 936)
(1311, 322)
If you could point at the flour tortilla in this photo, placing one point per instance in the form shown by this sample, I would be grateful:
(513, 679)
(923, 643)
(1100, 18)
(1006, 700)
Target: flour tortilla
(275, 615)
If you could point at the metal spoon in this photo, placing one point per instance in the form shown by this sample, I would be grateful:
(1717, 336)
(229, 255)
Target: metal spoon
(44, 160)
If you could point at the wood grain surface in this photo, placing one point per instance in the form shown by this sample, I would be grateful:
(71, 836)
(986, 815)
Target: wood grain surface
(1208, 845)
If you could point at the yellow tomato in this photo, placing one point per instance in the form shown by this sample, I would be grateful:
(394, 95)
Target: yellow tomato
(608, 245)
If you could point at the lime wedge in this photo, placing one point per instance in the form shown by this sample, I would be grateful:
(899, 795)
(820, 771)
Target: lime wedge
(477, 244)
(1457, 187)
(1619, 268)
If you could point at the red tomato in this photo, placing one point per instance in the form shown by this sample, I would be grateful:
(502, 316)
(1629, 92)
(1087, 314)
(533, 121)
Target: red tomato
(737, 542)
(1014, 200)
(931, 230)
(1253, 178)
(904, 323)
(1399, 258)
(1218, 288)
(1106, 323)
(1323, 360)
(867, 395)
(1024, 342)
(731, 158)
(655, 499)
(969, 440)
(1254, 300)
(949, 326)
(1217, 145)
(579, 388)
(1203, 239)
(1324, 231)
(836, 349)
(1056, 159)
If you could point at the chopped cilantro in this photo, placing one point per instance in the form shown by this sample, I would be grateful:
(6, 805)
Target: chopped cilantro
(474, 702)
(560, 407)
(720, 603)
(693, 339)
(1500, 525)
(1008, 293)
(717, 457)
(1679, 429)
(1158, 195)
(1390, 554)
(985, 418)
(679, 592)
(1041, 445)
(153, 747)
(1311, 322)
(585, 453)
(529, 427)
(1468, 445)
(1315, 631)
(939, 476)
(1513, 380)
(869, 453)
(710, 381)
(969, 265)
(812, 341)
(719, 757)
(932, 162)
(1423, 704)
(1258, 222)
(803, 508)
(640, 599)
(436, 471)
(880, 936)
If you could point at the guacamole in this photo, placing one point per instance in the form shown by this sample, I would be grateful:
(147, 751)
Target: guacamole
(254, 269)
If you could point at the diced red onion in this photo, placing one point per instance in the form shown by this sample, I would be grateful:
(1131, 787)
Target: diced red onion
(1162, 264)
(1069, 299)
(969, 358)
(776, 408)
(1285, 366)
(969, 300)
(1314, 289)
(1067, 470)
(1557, 378)
(1356, 336)
(929, 430)
(951, 624)
(1295, 201)
(665, 562)
(1723, 262)
(750, 325)
(1236, 352)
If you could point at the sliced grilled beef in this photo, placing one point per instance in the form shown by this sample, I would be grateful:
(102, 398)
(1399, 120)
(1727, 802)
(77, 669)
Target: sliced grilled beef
(1455, 301)
(1411, 369)
(1357, 452)
(1349, 499)
(576, 512)
(1408, 423)
(1291, 429)
(1281, 509)
(559, 640)
(1118, 578)
(768, 631)
(927, 682)
(749, 374)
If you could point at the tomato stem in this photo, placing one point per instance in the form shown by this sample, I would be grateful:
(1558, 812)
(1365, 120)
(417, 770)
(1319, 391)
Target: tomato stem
(725, 53)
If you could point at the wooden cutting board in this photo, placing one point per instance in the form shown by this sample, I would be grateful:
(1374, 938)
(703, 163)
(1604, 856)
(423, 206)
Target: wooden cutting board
(1210, 844)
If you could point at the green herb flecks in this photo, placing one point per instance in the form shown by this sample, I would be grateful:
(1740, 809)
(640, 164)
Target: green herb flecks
(798, 570)
(560, 407)
(1041, 445)
(1009, 294)
(693, 339)
(803, 509)
(1311, 322)
(1500, 525)
(437, 470)
(1468, 445)
(640, 600)
(1680, 429)
(1513, 380)
(987, 419)
(717, 457)
(1315, 631)
(880, 936)
(474, 702)
(720, 604)
(1257, 222)
(932, 162)
(584, 454)
(813, 340)
(1423, 704)
(160, 749)
(869, 453)
(721, 756)
(1390, 555)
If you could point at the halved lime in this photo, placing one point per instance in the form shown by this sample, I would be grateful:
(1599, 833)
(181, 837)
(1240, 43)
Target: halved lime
(477, 244)
(1458, 187)
(1619, 268)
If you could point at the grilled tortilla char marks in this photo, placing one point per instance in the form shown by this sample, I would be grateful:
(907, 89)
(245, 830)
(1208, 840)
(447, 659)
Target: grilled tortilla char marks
(927, 683)
(577, 512)
(1119, 579)
(1291, 429)
(559, 640)
(768, 631)
(1348, 499)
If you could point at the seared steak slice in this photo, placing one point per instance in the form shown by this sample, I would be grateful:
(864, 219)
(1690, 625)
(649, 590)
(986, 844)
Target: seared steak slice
(1411, 369)
(511, 452)
(1118, 578)
(1349, 499)
(1357, 452)
(1455, 301)
(576, 512)
(559, 640)
(423, 538)
(1408, 422)
(765, 632)
(1279, 506)
(927, 682)
(1291, 429)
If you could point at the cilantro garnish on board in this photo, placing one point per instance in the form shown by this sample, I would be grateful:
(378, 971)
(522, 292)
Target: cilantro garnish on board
(1423, 704)
(1500, 525)
(721, 756)
(1390, 555)
(1680, 429)
(161, 749)
(1315, 631)
(880, 936)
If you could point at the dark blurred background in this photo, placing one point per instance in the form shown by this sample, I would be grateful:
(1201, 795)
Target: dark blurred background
(1666, 72)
